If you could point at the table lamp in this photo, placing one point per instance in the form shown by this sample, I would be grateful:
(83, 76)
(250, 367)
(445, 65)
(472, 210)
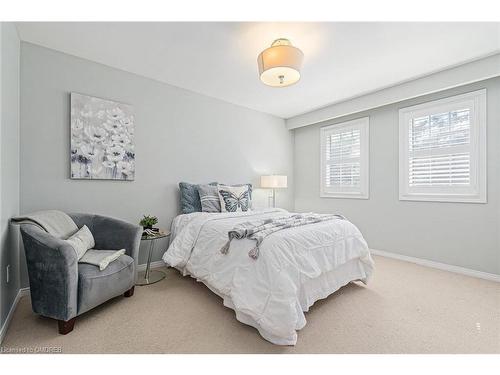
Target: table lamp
(273, 182)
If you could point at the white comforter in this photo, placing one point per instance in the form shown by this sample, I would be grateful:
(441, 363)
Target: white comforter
(296, 267)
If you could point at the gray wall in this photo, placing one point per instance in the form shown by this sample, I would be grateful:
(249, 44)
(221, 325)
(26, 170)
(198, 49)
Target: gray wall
(180, 136)
(461, 234)
(9, 160)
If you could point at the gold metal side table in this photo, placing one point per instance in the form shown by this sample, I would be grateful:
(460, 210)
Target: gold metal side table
(150, 276)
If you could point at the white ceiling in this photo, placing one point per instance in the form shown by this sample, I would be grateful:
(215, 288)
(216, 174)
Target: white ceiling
(218, 59)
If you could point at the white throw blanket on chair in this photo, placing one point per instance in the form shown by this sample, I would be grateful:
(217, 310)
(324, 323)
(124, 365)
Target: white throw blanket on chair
(54, 222)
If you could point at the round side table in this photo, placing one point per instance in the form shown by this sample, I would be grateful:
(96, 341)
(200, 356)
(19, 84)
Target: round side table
(151, 276)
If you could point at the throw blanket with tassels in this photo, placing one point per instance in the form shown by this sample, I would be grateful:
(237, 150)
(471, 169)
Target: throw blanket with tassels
(260, 230)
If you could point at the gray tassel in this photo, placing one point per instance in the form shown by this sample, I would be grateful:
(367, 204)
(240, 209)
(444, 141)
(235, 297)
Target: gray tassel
(254, 253)
(225, 249)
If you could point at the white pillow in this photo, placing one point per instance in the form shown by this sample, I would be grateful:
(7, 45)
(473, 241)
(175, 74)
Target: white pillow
(81, 241)
(234, 198)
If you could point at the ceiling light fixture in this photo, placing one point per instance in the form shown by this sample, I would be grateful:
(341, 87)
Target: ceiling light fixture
(279, 65)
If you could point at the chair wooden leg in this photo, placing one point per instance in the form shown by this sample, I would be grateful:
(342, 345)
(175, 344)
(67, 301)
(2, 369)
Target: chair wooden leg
(66, 327)
(129, 293)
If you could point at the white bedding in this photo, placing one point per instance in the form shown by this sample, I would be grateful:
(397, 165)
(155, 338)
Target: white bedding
(296, 267)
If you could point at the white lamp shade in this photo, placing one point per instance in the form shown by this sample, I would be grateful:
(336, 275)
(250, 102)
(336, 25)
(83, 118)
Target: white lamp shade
(273, 182)
(279, 65)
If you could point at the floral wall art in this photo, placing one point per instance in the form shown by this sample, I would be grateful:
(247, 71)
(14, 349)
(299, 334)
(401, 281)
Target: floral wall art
(102, 139)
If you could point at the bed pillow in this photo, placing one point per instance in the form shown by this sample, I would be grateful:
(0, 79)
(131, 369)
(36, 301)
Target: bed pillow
(234, 198)
(81, 241)
(209, 198)
(250, 188)
(190, 199)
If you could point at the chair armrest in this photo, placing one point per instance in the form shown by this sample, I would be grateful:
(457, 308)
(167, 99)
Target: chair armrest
(53, 273)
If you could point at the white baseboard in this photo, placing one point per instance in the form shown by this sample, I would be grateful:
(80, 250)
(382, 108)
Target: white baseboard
(20, 293)
(157, 264)
(439, 266)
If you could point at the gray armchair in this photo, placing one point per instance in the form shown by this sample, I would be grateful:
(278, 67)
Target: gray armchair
(61, 288)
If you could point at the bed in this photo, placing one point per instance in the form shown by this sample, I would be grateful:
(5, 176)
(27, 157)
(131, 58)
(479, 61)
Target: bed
(295, 267)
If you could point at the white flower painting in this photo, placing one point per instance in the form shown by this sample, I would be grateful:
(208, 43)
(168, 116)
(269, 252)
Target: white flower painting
(102, 139)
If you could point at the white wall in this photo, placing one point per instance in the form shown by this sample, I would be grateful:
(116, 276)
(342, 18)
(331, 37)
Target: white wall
(9, 161)
(180, 136)
(474, 71)
(461, 234)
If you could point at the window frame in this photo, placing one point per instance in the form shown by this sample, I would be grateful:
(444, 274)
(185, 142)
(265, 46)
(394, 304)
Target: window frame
(477, 192)
(363, 124)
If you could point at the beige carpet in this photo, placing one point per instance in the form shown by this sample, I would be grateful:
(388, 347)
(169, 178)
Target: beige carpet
(405, 309)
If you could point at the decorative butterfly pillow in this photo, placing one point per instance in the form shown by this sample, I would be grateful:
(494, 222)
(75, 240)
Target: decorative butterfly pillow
(234, 198)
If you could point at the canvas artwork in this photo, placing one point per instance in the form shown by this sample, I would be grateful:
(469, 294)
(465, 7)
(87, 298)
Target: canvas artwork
(102, 139)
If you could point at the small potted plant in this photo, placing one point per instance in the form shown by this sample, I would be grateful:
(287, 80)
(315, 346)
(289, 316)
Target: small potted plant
(147, 221)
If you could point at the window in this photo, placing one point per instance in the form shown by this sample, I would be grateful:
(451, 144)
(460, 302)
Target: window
(442, 150)
(344, 159)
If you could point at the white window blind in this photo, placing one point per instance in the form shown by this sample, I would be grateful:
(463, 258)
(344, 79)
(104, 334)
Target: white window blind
(344, 160)
(441, 149)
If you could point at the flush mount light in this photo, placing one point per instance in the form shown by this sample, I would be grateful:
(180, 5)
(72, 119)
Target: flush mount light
(279, 65)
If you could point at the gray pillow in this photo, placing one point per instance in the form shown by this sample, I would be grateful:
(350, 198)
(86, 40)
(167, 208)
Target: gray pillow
(209, 198)
(190, 199)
